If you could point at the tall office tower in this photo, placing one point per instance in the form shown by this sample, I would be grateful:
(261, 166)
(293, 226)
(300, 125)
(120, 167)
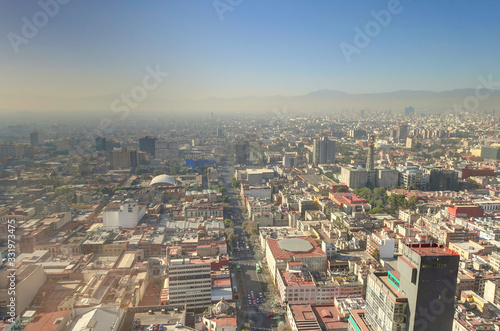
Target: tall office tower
(429, 279)
(419, 295)
(324, 151)
(241, 151)
(316, 148)
(189, 282)
(409, 111)
(370, 162)
(34, 139)
(148, 145)
(220, 133)
(100, 144)
(402, 131)
(124, 158)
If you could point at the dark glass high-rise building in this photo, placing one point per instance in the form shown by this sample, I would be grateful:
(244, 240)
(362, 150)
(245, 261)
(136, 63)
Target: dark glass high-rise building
(428, 276)
(148, 145)
(100, 143)
(409, 111)
(241, 151)
(34, 138)
(419, 295)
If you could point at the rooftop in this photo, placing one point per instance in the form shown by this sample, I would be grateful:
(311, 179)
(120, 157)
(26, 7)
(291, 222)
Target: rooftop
(431, 250)
(296, 279)
(280, 253)
(47, 321)
(295, 245)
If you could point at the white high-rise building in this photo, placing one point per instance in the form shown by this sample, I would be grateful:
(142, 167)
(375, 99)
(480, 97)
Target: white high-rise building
(189, 282)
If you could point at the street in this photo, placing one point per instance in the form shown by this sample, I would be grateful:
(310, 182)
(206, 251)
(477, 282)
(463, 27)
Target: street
(256, 308)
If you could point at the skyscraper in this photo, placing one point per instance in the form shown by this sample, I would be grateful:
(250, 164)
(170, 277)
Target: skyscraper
(123, 158)
(419, 295)
(100, 144)
(241, 151)
(402, 131)
(324, 151)
(35, 138)
(409, 111)
(370, 162)
(429, 279)
(148, 145)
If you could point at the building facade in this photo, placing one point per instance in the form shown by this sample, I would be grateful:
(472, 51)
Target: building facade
(189, 283)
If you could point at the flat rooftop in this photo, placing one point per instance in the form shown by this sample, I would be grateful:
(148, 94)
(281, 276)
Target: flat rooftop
(432, 250)
(170, 318)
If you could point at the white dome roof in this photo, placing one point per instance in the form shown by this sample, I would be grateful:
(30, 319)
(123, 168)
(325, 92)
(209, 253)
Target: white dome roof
(162, 180)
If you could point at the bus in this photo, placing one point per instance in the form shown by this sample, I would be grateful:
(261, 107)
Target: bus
(238, 267)
(257, 268)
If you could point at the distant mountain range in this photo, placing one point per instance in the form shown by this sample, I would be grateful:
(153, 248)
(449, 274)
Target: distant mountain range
(333, 100)
(315, 101)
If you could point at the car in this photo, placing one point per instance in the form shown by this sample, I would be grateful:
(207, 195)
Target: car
(258, 301)
(249, 301)
(254, 302)
(270, 315)
(249, 296)
(260, 294)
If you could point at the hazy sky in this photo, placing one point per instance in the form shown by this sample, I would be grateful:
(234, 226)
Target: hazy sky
(260, 47)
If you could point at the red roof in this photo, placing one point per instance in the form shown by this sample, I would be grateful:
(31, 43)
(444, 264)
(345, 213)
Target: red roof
(282, 254)
(45, 321)
(224, 321)
(347, 199)
(432, 250)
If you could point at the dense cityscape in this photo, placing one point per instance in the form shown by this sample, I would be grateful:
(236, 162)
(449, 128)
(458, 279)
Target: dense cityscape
(365, 221)
(249, 165)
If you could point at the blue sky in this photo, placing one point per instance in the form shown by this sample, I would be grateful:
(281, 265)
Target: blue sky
(261, 47)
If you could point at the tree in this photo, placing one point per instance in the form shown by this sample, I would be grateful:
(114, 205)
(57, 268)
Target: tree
(228, 223)
(230, 236)
(396, 202)
(342, 189)
(254, 237)
(377, 210)
(411, 203)
(145, 177)
(118, 188)
(235, 183)
(158, 172)
(106, 190)
(250, 227)
(68, 192)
